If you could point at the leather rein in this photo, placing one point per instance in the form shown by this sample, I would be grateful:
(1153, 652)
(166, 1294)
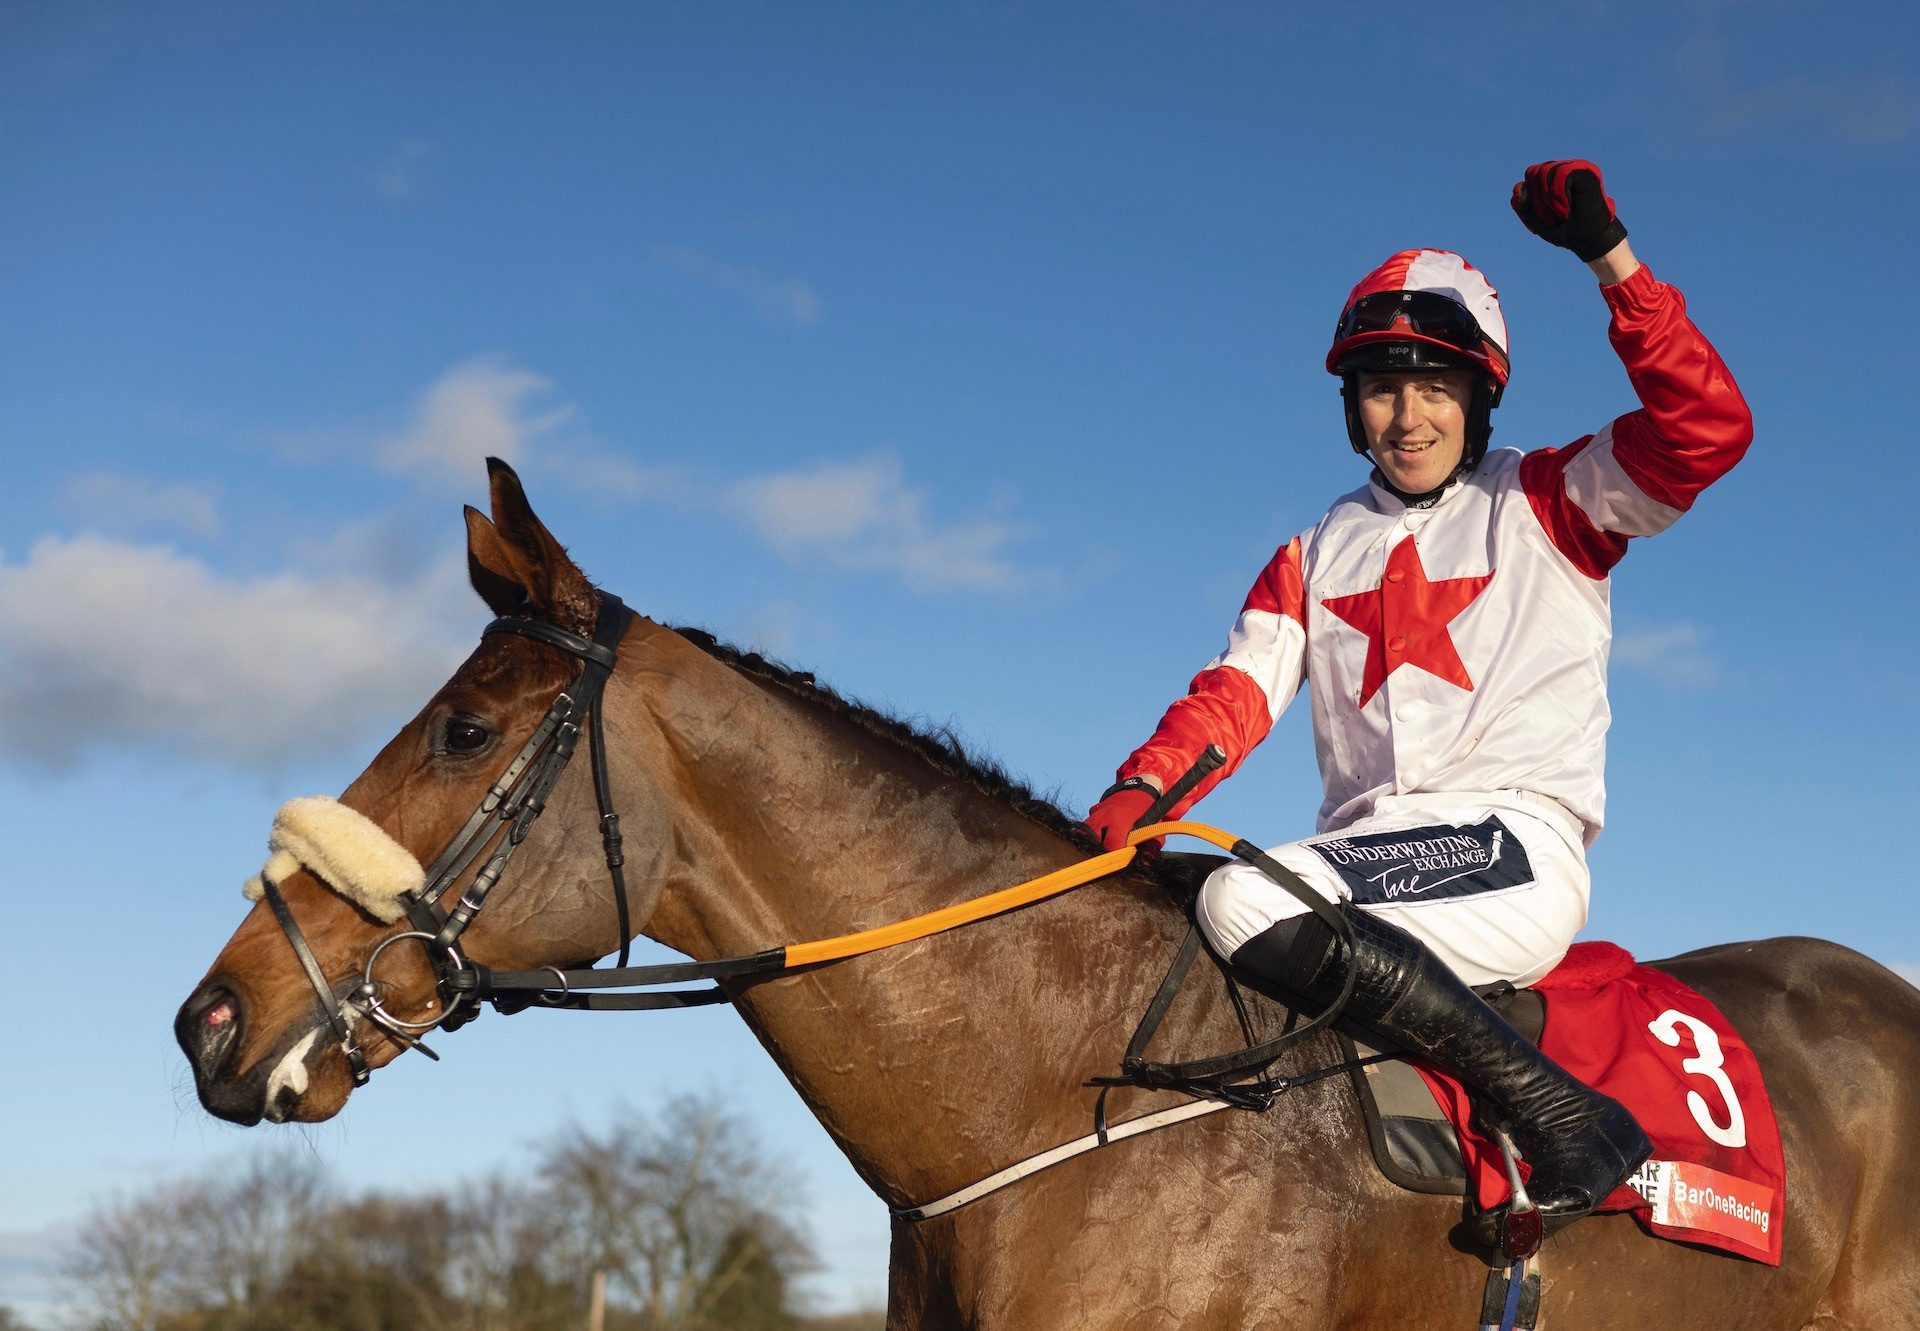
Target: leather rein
(518, 797)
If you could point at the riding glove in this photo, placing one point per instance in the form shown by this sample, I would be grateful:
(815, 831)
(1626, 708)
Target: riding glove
(1566, 204)
(1114, 816)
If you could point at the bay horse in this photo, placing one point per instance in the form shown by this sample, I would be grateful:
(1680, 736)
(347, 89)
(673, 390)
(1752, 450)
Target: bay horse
(760, 808)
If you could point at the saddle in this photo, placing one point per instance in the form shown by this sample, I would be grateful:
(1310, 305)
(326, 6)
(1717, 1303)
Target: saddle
(1415, 1144)
(1718, 1174)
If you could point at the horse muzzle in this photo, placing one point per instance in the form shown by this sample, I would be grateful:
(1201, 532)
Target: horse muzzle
(292, 1082)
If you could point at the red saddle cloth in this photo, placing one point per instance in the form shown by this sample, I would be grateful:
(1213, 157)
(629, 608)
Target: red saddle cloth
(1718, 1175)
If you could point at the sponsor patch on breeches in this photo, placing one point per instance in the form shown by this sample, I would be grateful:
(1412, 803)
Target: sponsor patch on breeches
(1438, 862)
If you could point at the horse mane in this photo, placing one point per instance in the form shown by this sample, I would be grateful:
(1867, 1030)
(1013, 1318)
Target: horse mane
(937, 746)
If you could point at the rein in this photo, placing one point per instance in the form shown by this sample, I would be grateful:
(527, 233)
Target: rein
(514, 801)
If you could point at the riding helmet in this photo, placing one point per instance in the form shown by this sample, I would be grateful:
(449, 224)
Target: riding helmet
(1424, 309)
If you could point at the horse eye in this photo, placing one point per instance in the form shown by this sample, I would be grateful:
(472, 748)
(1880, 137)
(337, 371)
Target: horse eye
(466, 736)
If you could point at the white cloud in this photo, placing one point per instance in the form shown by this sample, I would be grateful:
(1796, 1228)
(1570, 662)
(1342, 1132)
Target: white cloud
(858, 515)
(832, 504)
(404, 173)
(480, 408)
(126, 504)
(116, 645)
(786, 300)
(388, 548)
(864, 515)
(1671, 653)
(475, 410)
(604, 474)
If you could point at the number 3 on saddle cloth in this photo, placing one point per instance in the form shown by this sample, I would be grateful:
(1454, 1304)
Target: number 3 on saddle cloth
(1718, 1175)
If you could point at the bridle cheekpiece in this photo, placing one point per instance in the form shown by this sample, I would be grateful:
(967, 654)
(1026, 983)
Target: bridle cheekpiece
(360, 861)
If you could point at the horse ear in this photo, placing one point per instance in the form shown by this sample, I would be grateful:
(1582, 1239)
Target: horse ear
(491, 567)
(555, 587)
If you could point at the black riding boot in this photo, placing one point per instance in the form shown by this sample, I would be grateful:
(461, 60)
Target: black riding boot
(1580, 1144)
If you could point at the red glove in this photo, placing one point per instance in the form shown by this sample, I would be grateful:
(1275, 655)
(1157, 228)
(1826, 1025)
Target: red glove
(1114, 816)
(1566, 204)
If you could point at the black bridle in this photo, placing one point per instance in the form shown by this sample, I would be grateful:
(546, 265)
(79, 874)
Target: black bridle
(512, 805)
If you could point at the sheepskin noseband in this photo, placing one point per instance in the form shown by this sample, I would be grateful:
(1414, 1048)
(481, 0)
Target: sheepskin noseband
(346, 850)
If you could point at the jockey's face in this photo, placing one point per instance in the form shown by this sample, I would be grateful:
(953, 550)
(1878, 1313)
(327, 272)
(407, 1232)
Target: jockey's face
(1416, 425)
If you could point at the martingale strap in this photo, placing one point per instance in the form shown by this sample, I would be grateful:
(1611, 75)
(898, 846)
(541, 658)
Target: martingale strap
(1221, 1074)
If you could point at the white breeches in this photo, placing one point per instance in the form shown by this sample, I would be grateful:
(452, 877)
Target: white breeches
(1444, 868)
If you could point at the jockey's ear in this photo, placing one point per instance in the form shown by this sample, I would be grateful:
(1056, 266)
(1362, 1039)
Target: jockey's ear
(556, 589)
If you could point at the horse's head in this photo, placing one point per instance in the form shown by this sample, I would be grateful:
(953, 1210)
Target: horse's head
(262, 1030)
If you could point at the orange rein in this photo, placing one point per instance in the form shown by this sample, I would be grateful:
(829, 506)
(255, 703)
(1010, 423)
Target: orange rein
(484, 985)
(996, 903)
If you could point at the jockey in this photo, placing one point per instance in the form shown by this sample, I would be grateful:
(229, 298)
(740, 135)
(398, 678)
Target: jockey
(1451, 618)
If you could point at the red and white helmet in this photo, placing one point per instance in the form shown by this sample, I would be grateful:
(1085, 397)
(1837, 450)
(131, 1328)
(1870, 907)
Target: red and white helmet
(1422, 299)
(1422, 310)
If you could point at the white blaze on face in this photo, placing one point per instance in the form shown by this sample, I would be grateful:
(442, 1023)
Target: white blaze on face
(290, 1074)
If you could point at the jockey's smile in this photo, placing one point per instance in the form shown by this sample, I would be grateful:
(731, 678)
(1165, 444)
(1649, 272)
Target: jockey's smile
(1416, 425)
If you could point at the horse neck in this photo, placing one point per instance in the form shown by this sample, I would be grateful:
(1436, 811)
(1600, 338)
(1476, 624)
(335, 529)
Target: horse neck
(935, 1062)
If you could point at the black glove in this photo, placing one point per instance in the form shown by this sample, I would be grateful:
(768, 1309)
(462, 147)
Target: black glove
(1564, 203)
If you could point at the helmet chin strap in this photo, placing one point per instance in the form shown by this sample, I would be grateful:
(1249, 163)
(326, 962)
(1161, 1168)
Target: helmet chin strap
(1431, 497)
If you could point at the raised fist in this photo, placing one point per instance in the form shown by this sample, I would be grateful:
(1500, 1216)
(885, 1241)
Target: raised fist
(1566, 204)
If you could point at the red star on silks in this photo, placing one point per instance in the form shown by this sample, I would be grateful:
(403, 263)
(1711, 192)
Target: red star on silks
(1405, 619)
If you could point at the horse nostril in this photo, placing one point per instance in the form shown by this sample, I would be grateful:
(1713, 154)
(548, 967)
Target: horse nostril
(208, 1029)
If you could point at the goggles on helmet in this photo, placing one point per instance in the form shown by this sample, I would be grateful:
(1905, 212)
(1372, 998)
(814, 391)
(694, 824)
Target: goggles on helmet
(1423, 314)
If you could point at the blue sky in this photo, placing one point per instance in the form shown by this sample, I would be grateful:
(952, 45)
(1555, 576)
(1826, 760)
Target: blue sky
(968, 356)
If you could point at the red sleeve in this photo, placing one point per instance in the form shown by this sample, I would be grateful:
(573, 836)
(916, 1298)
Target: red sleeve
(1223, 706)
(1232, 703)
(1645, 469)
